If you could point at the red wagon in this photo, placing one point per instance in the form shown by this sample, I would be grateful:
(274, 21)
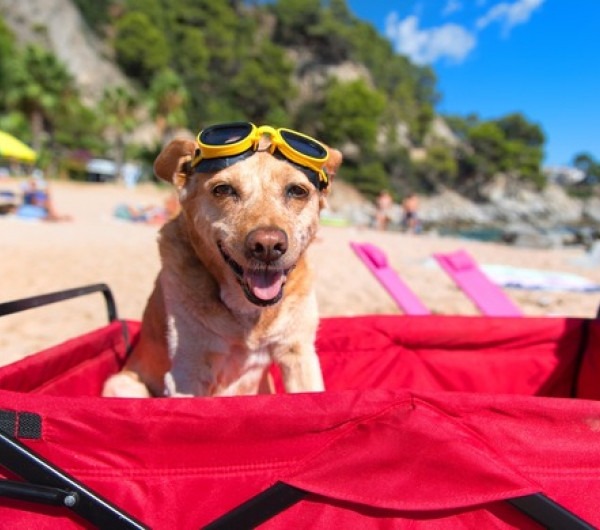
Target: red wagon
(428, 422)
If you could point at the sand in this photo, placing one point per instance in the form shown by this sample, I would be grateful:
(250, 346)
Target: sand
(95, 247)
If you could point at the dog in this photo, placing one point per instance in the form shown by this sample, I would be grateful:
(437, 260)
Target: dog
(235, 292)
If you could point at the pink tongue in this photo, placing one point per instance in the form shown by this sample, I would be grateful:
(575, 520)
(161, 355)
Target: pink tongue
(265, 284)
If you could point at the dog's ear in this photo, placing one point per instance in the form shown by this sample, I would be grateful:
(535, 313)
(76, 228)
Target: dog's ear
(172, 164)
(333, 162)
(332, 165)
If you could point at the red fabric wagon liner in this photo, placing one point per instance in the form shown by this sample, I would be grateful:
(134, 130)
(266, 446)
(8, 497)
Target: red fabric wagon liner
(427, 422)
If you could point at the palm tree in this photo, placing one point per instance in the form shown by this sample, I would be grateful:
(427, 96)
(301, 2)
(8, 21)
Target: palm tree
(118, 106)
(168, 98)
(41, 85)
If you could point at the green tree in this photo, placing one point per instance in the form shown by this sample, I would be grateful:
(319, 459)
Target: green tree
(339, 11)
(141, 49)
(167, 100)
(352, 112)
(40, 84)
(369, 177)
(95, 13)
(516, 127)
(590, 167)
(460, 125)
(263, 84)
(524, 147)
(118, 107)
(296, 20)
(8, 53)
(509, 144)
(409, 89)
(488, 142)
(439, 168)
(226, 35)
(211, 43)
(78, 127)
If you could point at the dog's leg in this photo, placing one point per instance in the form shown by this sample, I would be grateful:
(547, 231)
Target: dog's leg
(300, 369)
(125, 384)
(143, 373)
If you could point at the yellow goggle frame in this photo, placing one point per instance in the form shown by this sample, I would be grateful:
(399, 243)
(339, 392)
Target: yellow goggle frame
(232, 142)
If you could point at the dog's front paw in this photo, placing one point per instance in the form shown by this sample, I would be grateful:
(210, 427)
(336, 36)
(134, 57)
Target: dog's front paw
(125, 385)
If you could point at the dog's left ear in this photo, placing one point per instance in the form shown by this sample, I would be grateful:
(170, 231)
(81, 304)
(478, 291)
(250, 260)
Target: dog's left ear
(172, 164)
(333, 163)
(331, 166)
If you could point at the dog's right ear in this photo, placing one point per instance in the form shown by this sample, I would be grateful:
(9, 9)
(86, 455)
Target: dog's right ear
(173, 162)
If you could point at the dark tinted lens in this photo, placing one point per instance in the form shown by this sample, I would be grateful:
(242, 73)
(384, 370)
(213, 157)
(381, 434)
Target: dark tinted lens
(303, 145)
(227, 133)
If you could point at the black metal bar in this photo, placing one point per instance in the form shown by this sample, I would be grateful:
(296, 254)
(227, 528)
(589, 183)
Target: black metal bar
(34, 493)
(15, 306)
(259, 509)
(25, 463)
(548, 513)
(281, 496)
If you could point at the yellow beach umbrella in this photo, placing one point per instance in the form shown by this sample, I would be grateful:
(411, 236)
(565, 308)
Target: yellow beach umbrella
(10, 147)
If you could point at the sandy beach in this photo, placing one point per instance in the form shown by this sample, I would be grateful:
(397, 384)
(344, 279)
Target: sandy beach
(95, 247)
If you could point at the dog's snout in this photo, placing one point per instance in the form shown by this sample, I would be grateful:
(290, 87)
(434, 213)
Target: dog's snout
(266, 244)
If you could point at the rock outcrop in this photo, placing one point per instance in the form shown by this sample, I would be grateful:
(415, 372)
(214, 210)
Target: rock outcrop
(57, 25)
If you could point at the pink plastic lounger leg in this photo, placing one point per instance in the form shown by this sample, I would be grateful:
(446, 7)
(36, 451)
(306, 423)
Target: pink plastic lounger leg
(376, 261)
(487, 296)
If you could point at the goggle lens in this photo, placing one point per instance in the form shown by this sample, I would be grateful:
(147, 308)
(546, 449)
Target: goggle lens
(225, 134)
(304, 145)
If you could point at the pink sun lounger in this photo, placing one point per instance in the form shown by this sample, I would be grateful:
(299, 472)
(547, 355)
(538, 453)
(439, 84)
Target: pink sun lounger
(485, 294)
(376, 261)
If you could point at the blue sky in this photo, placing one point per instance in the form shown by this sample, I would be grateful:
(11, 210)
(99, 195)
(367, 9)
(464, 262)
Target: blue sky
(495, 57)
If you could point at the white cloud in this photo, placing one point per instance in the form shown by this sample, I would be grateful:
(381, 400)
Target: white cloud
(452, 6)
(509, 15)
(425, 46)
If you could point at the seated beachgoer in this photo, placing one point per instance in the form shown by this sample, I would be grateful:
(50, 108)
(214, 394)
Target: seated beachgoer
(37, 203)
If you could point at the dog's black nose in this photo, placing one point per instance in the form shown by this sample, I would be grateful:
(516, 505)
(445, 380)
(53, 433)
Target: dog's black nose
(266, 244)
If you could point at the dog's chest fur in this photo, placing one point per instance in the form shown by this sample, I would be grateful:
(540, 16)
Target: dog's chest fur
(211, 366)
(215, 352)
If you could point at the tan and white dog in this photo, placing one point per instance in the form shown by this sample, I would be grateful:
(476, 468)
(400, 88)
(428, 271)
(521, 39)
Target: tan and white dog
(235, 292)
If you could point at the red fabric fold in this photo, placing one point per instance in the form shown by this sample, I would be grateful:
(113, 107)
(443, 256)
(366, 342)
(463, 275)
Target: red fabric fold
(412, 458)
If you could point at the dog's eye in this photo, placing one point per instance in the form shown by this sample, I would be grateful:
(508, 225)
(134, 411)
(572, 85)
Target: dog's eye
(224, 190)
(296, 192)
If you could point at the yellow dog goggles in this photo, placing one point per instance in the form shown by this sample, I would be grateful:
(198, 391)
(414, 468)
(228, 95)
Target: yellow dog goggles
(225, 144)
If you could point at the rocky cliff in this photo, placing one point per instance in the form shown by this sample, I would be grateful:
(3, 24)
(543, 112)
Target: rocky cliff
(58, 26)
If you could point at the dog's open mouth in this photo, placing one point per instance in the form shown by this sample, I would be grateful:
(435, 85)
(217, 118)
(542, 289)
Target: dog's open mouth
(262, 285)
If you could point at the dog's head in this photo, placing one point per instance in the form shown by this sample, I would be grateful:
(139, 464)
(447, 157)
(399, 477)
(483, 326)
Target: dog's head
(252, 220)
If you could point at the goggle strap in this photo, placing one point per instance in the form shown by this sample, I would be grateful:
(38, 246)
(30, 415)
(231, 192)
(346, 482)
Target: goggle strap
(210, 165)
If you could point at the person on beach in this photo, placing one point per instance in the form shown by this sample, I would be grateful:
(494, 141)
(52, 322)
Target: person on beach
(154, 215)
(384, 205)
(410, 206)
(37, 202)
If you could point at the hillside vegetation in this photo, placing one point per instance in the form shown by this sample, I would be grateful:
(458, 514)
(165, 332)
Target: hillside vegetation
(305, 64)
